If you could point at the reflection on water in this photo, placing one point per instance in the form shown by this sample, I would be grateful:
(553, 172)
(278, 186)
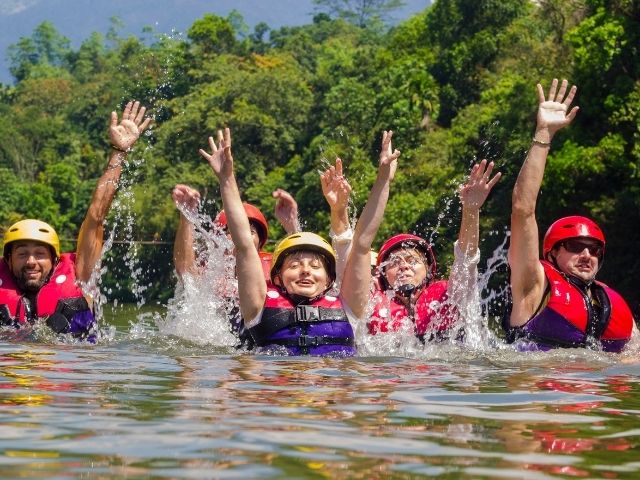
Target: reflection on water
(167, 408)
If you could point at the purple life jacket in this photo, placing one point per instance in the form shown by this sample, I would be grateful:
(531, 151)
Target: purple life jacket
(318, 326)
(570, 320)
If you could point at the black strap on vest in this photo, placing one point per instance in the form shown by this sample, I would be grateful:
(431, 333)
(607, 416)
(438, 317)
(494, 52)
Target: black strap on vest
(306, 341)
(60, 320)
(275, 319)
(5, 316)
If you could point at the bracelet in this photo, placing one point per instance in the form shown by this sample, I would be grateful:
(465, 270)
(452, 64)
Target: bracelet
(119, 149)
(540, 142)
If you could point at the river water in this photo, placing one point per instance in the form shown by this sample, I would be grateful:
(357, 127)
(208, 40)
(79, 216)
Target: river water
(146, 404)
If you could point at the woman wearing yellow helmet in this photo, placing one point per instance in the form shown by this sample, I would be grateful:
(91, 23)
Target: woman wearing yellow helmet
(300, 314)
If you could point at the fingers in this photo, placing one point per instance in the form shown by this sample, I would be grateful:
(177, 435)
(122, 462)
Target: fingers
(572, 114)
(338, 168)
(540, 93)
(494, 180)
(386, 141)
(394, 155)
(572, 94)
(204, 154)
(126, 113)
(138, 114)
(212, 144)
(488, 170)
(144, 125)
(552, 90)
(114, 119)
(562, 91)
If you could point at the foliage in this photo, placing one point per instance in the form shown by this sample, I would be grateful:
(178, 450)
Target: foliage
(455, 83)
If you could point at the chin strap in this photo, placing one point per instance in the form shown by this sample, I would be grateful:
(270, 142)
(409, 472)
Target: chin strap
(406, 290)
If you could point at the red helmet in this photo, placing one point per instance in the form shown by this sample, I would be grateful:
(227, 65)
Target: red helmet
(407, 240)
(255, 216)
(571, 227)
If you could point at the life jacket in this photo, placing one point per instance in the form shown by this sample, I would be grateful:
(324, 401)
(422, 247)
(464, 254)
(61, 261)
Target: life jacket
(265, 259)
(431, 312)
(60, 301)
(570, 319)
(318, 326)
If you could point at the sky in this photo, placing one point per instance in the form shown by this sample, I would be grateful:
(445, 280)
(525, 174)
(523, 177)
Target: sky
(77, 19)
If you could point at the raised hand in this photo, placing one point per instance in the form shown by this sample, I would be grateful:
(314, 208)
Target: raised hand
(286, 211)
(474, 193)
(186, 197)
(220, 158)
(388, 156)
(124, 134)
(552, 111)
(335, 187)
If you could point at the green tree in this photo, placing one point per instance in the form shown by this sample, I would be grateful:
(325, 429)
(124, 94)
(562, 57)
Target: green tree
(362, 13)
(45, 45)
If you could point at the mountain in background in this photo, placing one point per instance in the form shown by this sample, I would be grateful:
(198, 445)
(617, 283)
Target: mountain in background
(77, 19)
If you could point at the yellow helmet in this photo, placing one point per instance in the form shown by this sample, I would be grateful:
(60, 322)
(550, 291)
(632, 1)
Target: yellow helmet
(32, 230)
(303, 241)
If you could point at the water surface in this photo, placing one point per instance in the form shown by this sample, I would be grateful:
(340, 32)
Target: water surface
(143, 404)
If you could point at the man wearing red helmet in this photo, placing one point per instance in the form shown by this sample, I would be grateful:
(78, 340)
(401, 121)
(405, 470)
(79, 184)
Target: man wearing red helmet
(556, 301)
(411, 297)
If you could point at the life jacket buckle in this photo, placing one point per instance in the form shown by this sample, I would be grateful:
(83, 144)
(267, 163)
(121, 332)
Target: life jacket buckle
(307, 313)
(306, 341)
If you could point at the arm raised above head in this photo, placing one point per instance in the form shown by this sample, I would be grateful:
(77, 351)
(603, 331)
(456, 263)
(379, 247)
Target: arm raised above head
(463, 279)
(337, 190)
(252, 286)
(184, 260)
(356, 280)
(286, 211)
(123, 136)
(473, 194)
(527, 275)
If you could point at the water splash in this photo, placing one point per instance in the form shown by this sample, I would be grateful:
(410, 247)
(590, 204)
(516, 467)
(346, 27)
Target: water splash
(199, 310)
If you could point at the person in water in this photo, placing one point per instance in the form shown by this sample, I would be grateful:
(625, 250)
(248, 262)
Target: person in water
(184, 255)
(187, 200)
(556, 300)
(36, 279)
(410, 297)
(298, 313)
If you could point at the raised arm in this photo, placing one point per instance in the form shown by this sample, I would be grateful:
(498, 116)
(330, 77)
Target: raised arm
(286, 211)
(252, 286)
(527, 275)
(123, 136)
(472, 196)
(463, 279)
(336, 191)
(187, 200)
(357, 275)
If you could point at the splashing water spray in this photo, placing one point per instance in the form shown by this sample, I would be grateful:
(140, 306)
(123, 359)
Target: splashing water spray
(199, 311)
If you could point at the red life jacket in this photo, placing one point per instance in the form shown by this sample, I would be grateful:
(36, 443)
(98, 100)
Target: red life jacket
(317, 327)
(58, 300)
(569, 319)
(430, 312)
(265, 258)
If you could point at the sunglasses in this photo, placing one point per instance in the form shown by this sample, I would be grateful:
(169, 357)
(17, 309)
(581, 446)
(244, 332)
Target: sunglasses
(577, 246)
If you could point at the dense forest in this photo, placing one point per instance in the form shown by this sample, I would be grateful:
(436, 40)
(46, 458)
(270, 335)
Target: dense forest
(456, 83)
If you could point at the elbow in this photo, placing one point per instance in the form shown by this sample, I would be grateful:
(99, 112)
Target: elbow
(520, 209)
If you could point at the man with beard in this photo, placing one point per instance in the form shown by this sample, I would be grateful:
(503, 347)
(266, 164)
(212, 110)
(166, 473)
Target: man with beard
(36, 280)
